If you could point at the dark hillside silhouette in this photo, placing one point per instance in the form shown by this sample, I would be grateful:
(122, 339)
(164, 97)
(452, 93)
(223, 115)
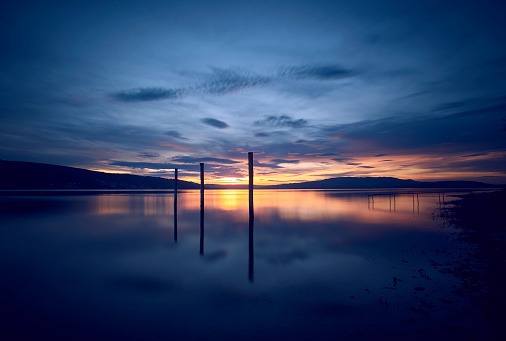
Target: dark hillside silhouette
(30, 175)
(380, 182)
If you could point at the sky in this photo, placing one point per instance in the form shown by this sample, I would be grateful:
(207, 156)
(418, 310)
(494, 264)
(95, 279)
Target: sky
(316, 89)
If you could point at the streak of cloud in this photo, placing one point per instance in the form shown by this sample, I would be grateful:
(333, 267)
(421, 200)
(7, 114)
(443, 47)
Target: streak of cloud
(148, 155)
(175, 134)
(280, 121)
(147, 94)
(215, 123)
(189, 159)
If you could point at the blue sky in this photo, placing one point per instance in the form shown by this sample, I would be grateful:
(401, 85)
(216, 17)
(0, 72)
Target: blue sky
(412, 89)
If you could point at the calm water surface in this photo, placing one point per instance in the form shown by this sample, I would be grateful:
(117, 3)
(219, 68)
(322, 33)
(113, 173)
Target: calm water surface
(312, 265)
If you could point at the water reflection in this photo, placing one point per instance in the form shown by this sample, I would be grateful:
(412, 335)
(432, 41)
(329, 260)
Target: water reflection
(320, 264)
(250, 239)
(175, 214)
(202, 221)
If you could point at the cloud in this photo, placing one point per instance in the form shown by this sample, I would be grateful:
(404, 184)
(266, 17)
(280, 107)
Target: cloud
(262, 135)
(153, 165)
(211, 170)
(280, 121)
(257, 163)
(464, 133)
(147, 94)
(225, 171)
(319, 72)
(175, 134)
(474, 103)
(189, 159)
(148, 155)
(277, 161)
(342, 159)
(274, 163)
(474, 155)
(222, 81)
(226, 81)
(215, 123)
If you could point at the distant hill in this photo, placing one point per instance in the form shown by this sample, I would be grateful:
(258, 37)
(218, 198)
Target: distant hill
(379, 182)
(31, 175)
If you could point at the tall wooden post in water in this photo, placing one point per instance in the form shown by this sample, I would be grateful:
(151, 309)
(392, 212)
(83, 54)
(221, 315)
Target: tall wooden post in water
(175, 204)
(201, 208)
(251, 216)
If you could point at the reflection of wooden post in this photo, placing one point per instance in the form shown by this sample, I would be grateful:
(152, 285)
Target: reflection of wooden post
(175, 205)
(201, 208)
(251, 217)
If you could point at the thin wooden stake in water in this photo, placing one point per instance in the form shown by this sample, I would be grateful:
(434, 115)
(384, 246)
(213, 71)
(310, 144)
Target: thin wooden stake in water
(201, 208)
(251, 217)
(175, 204)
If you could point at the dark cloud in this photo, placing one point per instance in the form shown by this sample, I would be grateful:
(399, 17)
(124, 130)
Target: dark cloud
(342, 159)
(215, 123)
(378, 155)
(366, 167)
(189, 159)
(280, 121)
(284, 161)
(469, 131)
(175, 134)
(494, 163)
(262, 135)
(153, 165)
(147, 94)
(319, 72)
(473, 155)
(148, 155)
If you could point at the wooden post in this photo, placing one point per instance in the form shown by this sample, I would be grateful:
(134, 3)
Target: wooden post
(251, 217)
(175, 179)
(250, 167)
(175, 204)
(201, 208)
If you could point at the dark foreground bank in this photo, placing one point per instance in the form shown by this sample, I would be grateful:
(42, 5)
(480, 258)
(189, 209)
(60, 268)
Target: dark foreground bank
(482, 219)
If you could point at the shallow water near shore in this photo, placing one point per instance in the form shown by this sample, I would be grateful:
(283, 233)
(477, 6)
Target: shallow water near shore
(310, 265)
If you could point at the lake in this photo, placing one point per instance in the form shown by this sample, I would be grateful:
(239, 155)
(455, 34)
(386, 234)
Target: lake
(310, 265)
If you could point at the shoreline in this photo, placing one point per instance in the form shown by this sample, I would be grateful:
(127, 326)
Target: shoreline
(481, 221)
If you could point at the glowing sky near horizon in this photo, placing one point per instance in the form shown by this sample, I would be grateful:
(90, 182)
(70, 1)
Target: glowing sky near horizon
(317, 89)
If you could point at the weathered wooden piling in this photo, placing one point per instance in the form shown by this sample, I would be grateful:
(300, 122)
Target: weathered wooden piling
(251, 217)
(175, 204)
(201, 208)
